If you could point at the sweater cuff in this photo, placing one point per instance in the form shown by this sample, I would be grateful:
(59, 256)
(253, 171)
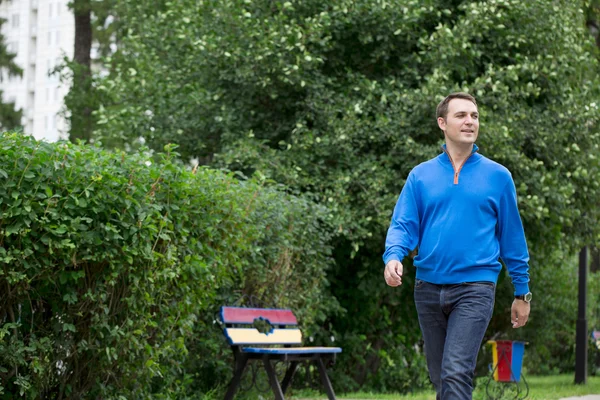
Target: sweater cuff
(521, 288)
(390, 258)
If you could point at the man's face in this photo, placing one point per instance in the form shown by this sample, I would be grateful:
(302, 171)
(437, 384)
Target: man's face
(461, 125)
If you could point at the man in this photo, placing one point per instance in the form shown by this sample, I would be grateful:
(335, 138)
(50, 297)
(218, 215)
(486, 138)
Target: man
(460, 210)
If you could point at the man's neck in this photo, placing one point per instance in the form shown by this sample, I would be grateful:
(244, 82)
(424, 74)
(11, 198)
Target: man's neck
(458, 152)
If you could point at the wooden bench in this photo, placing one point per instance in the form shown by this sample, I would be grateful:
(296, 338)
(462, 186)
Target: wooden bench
(279, 329)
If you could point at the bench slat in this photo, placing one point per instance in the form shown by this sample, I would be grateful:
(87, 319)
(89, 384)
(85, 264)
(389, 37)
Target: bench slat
(239, 336)
(242, 315)
(292, 350)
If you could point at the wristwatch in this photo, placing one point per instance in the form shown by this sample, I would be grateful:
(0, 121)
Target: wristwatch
(525, 297)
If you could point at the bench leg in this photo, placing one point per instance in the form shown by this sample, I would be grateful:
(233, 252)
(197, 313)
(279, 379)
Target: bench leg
(240, 364)
(325, 379)
(273, 379)
(289, 375)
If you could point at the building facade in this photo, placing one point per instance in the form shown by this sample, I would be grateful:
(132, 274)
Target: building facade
(42, 34)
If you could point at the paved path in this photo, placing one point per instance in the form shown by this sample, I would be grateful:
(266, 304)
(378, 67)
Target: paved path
(587, 397)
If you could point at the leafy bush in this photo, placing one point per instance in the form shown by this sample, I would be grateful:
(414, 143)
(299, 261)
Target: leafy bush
(113, 266)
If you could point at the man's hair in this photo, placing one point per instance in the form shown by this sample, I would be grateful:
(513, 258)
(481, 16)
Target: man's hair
(442, 108)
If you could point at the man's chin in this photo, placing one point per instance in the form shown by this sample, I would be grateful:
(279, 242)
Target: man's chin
(463, 141)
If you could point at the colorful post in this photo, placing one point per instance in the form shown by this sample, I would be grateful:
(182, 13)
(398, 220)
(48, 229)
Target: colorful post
(507, 359)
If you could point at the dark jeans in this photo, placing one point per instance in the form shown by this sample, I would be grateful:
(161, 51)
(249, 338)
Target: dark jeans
(453, 320)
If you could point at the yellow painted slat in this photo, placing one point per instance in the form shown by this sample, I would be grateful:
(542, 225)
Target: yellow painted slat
(494, 359)
(253, 336)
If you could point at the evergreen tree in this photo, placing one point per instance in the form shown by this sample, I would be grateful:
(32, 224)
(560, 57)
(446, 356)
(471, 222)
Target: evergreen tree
(10, 118)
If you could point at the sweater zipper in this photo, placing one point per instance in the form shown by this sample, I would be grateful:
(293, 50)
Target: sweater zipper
(457, 172)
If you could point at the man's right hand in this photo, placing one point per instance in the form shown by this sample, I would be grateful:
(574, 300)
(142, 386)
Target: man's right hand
(393, 273)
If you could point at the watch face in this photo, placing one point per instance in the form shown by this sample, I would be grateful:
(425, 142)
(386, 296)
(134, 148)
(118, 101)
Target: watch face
(528, 297)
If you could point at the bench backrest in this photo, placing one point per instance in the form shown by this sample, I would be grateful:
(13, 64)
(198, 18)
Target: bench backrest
(239, 328)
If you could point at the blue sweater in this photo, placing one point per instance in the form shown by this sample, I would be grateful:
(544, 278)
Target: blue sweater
(462, 223)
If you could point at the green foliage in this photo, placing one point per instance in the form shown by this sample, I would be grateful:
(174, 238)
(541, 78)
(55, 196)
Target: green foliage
(337, 99)
(112, 267)
(83, 98)
(7, 63)
(107, 28)
(9, 117)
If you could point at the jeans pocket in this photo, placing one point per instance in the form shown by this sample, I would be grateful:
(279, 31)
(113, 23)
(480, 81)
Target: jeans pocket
(419, 283)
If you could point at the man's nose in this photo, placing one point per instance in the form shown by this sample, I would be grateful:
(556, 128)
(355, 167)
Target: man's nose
(469, 120)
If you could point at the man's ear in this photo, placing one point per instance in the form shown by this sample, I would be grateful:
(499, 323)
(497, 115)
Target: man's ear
(442, 123)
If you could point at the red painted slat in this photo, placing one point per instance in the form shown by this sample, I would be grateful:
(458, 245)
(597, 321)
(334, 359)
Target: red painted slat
(504, 348)
(242, 315)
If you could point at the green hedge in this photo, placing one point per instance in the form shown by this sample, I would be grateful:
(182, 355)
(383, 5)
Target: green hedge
(113, 266)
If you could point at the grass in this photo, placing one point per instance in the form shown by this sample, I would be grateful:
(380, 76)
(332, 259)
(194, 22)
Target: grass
(540, 388)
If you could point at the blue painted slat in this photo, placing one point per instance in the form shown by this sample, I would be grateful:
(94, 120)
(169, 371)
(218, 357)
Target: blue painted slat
(292, 350)
(517, 360)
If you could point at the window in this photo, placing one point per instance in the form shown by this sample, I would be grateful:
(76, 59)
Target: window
(11, 78)
(57, 38)
(51, 10)
(15, 21)
(12, 47)
(49, 38)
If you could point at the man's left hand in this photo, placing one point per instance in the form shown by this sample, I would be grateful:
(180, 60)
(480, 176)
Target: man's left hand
(519, 313)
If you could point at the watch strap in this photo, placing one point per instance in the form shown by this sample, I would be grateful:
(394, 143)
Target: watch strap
(525, 297)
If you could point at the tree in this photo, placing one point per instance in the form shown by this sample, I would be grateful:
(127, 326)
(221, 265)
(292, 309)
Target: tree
(9, 117)
(91, 25)
(592, 9)
(337, 100)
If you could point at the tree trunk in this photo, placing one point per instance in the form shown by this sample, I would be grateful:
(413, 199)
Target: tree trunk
(595, 266)
(81, 110)
(83, 32)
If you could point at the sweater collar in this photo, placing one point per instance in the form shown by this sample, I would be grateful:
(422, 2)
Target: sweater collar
(475, 148)
(471, 158)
